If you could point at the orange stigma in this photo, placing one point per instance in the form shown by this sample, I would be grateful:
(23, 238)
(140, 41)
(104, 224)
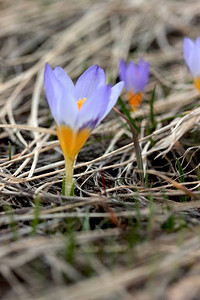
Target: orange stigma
(134, 100)
(80, 102)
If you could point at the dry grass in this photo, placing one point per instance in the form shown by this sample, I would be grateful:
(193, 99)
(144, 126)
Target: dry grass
(118, 240)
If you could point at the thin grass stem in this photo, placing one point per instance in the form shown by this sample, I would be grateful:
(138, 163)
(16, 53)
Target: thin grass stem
(136, 144)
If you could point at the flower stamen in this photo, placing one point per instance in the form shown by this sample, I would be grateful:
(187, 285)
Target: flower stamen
(80, 102)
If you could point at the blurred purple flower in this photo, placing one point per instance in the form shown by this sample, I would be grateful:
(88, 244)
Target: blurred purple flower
(135, 77)
(191, 51)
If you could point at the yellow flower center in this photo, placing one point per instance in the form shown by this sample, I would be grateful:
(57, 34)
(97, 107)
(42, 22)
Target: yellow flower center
(71, 142)
(80, 102)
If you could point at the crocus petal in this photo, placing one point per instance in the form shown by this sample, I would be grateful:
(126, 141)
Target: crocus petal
(191, 53)
(188, 49)
(93, 108)
(188, 46)
(66, 138)
(194, 63)
(197, 42)
(89, 81)
(61, 101)
(144, 73)
(64, 79)
(141, 76)
(71, 142)
(122, 71)
(115, 93)
(67, 109)
(80, 139)
(130, 72)
(52, 90)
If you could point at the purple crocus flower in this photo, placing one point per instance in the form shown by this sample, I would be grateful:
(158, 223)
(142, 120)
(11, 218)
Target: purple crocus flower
(191, 51)
(78, 109)
(135, 77)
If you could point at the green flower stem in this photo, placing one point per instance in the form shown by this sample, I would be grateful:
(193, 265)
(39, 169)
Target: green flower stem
(69, 168)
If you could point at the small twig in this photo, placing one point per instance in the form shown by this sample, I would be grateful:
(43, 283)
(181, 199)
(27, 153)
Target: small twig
(103, 182)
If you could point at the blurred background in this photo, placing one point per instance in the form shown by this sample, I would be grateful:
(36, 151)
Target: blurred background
(129, 247)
